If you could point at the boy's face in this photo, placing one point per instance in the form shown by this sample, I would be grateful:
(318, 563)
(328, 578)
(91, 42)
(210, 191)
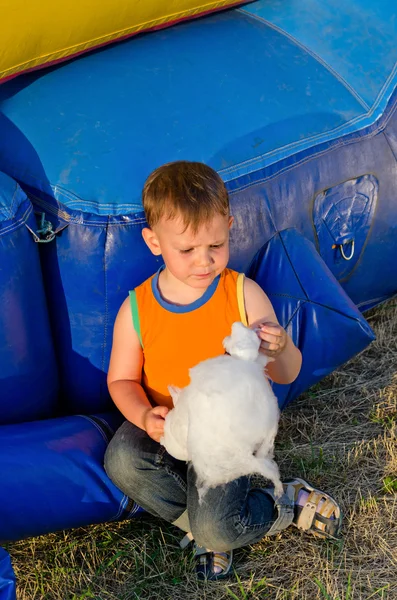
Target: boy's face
(192, 258)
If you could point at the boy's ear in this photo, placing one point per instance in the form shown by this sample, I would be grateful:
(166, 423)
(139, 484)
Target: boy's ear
(231, 219)
(151, 241)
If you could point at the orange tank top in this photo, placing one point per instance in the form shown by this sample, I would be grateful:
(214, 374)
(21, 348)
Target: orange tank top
(175, 338)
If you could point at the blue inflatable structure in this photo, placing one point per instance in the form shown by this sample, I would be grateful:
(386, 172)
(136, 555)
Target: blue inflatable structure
(294, 104)
(7, 577)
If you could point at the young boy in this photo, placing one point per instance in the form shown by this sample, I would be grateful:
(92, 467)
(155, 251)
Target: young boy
(171, 322)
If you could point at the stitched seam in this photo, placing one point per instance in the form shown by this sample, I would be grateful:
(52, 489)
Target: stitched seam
(61, 214)
(75, 199)
(292, 266)
(389, 144)
(129, 207)
(314, 55)
(105, 424)
(240, 521)
(8, 211)
(14, 198)
(335, 144)
(177, 477)
(385, 85)
(290, 146)
(312, 302)
(297, 309)
(306, 159)
(106, 315)
(335, 310)
(256, 527)
(87, 418)
(378, 299)
(122, 505)
(79, 220)
(18, 223)
(253, 161)
(306, 299)
(285, 295)
(134, 510)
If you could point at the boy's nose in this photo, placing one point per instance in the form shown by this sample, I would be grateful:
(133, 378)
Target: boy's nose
(204, 258)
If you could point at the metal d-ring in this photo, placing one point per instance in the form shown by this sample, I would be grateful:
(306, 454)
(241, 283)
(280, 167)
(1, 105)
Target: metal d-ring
(343, 252)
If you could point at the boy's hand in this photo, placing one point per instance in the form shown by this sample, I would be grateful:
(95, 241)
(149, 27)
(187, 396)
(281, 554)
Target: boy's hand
(274, 338)
(154, 422)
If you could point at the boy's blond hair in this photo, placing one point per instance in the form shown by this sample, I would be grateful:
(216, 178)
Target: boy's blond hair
(191, 190)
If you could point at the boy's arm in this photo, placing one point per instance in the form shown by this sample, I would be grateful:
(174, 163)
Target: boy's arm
(276, 343)
(124, 377)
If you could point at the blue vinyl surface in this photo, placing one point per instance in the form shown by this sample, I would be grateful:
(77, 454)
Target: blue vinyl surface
(234, 90)
(7, 577)
(28, 370)
(52, 476)
(355, 40)
(311, 305)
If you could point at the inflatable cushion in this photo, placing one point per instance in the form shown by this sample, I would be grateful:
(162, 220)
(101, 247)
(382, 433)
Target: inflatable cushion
(39, 33)
(28, 372)
(7, 577)
(53, 477)
(309, 302)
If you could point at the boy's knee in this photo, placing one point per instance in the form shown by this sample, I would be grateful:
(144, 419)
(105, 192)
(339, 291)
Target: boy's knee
(213, 532)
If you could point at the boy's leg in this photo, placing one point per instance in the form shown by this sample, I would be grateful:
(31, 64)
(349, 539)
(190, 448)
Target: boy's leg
(145, 472)
(230, 516)
(233, 515)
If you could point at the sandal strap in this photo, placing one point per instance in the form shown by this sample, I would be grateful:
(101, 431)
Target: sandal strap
(285, 509)
(222, 560)
(207, 560)
(328, 509)
(186, 540)
(307, 515)
(324, 521)
(199, 550)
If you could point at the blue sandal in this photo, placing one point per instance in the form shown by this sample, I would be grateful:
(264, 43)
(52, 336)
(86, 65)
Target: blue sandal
(208, 561)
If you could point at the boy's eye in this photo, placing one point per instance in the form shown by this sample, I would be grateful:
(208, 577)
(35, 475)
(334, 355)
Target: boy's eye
(214, 246)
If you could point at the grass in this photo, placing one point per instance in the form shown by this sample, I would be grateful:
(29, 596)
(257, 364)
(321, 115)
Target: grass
(340, 435)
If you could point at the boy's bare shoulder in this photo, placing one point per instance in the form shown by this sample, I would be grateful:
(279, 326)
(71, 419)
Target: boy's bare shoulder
(125, 338)
(253, 291)
(257, 305)
(126, 355)
(125, 310)
(124, 324)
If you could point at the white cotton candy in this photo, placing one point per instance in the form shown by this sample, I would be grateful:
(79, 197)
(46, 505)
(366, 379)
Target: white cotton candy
(225, 421)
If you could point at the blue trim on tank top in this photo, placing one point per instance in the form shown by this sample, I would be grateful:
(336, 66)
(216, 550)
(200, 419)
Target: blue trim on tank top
(185, 308)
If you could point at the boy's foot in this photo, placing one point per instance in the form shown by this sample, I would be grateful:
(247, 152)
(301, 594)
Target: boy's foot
(308, 509)
(212, 566)
(315, 511)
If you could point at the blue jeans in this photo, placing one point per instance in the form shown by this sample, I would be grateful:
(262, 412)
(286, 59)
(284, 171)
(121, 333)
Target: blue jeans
(230, 516)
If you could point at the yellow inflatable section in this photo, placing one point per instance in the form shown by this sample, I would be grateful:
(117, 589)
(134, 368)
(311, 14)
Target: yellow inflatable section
(36, 33)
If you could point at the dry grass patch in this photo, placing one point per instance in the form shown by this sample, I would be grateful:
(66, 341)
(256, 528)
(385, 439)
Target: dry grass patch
(340, 435)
